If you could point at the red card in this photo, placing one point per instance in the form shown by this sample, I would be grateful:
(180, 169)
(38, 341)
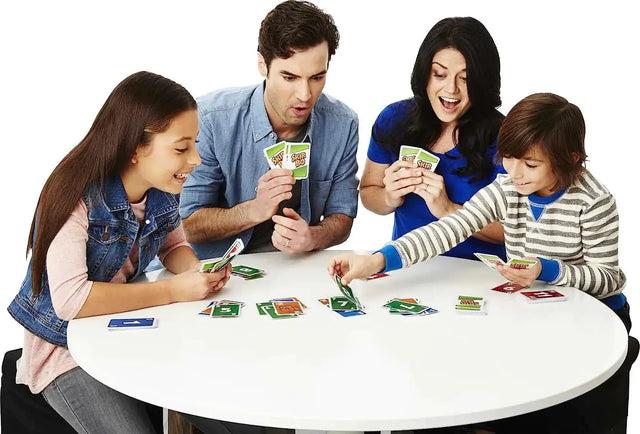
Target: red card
(377, 276)
(543, 296)
(508, 287)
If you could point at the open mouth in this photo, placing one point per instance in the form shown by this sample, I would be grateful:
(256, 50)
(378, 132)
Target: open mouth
(181, 176)
(449, 103)
(301, 111)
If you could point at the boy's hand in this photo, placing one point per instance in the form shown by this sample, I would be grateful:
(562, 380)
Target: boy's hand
(524, 277)
(350, 266)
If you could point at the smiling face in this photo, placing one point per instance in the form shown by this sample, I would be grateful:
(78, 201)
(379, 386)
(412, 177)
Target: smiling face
(293, 86)
(447, 86)
(532, 173)
(166, 161)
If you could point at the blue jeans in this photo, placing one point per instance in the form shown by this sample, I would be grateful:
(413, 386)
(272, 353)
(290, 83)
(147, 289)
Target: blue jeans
(90, 407)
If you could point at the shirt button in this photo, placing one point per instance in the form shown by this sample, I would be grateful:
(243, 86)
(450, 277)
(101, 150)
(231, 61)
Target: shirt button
(147, 221)
(271, 135)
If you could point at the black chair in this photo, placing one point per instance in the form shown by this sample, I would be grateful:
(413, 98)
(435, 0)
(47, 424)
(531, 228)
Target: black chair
(23, 412)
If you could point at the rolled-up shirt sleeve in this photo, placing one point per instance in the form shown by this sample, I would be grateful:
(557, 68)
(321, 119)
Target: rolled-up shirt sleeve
(343, 196)
(69, 282)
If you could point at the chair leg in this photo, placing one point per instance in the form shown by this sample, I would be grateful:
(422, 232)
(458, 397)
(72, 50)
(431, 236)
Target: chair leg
(180, 425)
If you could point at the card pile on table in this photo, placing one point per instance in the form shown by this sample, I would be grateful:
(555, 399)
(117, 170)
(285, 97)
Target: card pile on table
(471, 305)
(419, 157)
(223, 309)
(280, 308)
(544, 296)
(247, 273)
(408, 307)
(345, 305)
(293, 156)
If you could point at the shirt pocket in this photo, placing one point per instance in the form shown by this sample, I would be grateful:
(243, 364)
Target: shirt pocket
(318, 195)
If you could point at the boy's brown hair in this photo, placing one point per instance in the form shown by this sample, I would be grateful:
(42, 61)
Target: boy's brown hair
(553, 123)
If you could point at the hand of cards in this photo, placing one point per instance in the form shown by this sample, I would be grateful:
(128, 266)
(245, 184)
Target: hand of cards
(492, 260)
(419, 157)
(213, 265)
(293, 156)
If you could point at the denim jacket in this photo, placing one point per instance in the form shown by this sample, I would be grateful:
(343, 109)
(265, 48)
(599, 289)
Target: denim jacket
(113, 229)
(235, 129)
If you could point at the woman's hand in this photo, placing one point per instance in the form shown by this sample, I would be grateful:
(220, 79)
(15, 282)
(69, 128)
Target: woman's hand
(434, 192)
(400, 179)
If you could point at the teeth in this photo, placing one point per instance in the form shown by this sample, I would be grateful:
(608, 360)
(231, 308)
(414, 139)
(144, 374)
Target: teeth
(180, 175)
(452, 100)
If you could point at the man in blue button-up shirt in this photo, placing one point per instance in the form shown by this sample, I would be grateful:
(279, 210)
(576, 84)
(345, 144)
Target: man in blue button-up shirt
(233, 193)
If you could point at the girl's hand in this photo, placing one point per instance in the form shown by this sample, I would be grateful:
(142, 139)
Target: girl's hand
(349, 266)
(432, 189)
(193, 285)
(400, 179)
(524, 277)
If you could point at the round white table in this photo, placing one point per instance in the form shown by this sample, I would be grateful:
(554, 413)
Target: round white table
(377, 371)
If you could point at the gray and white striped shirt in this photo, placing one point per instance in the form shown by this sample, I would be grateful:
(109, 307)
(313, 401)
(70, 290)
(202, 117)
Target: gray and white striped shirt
(579, 230)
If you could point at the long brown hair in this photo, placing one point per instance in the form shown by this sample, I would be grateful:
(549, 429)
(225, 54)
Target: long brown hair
(141, 105)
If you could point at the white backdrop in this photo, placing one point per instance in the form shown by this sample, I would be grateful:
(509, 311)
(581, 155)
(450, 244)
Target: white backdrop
(61, 59)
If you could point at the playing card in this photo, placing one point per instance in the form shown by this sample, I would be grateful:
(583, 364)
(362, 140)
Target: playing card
(288, 307)
(246, 271)
(275, 155)
(402, 306)
(409, 153)
(508, 287)
(267, 308)
(347, 291)
(225, 310)
(426, 160)
(297, 156)
(521, 264)
(377, 276)
(207, 310)
(471, 305)
(543, 296)
(212, 265)
(342, 303)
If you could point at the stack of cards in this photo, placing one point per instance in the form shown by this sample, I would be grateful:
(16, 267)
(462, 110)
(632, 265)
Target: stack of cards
(347, 305)
(246, 272)
(293, 156)
(419, 157)
(213, 265)
(279, 308)
(223, 309)
(493, 260)
(408, 307)
(471, 305)
(543, 296)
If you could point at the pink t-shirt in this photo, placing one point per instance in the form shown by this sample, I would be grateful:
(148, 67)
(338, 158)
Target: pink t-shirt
(41, 361)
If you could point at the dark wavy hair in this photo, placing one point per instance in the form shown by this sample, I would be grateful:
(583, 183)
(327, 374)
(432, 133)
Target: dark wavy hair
(295, 25)
(551, 122)
(142, 104)
(479, 126)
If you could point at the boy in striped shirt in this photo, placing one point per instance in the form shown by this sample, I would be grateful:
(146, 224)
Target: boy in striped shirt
(552, 208)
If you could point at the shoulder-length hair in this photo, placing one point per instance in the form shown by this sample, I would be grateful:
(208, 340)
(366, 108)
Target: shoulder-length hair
(478, 127)
(141, 105)
(553, 124)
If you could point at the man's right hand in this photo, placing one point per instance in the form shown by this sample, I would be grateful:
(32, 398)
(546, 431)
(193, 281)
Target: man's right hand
(273, 187)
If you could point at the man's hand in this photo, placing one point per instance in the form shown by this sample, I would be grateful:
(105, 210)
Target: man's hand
(273, 187)
(291, 233)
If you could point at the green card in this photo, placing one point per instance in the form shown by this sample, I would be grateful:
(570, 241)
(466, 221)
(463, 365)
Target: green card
(409, 153)
(342, 303)
(275, 155)
(406, 307)
(227, 310)
(297, 157)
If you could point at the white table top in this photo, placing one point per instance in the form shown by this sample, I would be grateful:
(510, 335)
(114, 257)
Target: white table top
(377, 371)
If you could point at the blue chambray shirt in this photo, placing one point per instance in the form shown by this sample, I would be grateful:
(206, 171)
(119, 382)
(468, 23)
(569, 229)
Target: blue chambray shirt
(235, 129)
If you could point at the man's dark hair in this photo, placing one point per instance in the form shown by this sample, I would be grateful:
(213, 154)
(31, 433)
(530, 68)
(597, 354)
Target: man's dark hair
(295, 25)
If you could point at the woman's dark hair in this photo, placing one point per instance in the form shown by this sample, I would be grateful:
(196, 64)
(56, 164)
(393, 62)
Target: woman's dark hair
(141, 105)
(551, 122)
(295, 25)
(479, 126)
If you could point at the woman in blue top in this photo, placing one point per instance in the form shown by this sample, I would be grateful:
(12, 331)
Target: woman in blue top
(456, 89)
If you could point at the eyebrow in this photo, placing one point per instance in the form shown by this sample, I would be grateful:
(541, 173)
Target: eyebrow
(442, 66)
(183, 138)
(285, 72)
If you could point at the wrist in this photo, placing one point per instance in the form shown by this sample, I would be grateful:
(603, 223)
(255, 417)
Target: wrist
(379, 262)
